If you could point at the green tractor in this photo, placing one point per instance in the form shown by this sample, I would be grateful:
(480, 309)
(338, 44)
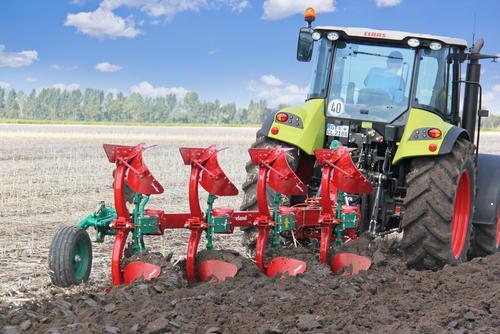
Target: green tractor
(396, 98)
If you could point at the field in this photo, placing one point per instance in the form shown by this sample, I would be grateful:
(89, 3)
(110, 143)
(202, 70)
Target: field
(54, 175)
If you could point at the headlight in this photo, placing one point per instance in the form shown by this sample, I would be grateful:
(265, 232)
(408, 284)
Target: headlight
(316, 36)
(435, 46)
(332, 36)
(413, 42)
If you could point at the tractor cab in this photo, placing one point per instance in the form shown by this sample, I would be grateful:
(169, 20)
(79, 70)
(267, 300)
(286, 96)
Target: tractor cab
(378, 75)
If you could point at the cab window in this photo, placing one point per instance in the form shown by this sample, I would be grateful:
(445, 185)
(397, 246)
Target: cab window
(434, 81)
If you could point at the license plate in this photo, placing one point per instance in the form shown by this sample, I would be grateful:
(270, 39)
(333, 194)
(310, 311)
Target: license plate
(337, 130)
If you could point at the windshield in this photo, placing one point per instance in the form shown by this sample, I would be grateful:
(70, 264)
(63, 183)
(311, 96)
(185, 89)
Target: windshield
(323, 52)
(370, 82)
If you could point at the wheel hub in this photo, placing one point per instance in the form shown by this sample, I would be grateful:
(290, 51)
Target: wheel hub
(461, 215)
(81, 259)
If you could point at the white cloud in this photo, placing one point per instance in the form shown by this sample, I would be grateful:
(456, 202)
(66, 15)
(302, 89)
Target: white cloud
(279, 9)
(31, 79)
(69, 87)
(387, 3)
(17, 59)
(4, 85)
(59, 67)
(146, 89)
(107, 67)
(213, 51)
(56, 67)
(78, 2)
(271, 80)
(168, 8)
(102, 23)
(284, 93)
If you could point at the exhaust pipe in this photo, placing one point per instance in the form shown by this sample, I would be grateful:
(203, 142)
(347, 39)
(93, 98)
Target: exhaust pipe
(472, 82)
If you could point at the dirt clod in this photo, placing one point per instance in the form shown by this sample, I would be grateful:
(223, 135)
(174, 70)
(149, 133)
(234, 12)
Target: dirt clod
(307, 322)
(387, 298)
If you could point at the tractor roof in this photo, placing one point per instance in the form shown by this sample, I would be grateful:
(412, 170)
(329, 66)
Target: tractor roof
(393, 35)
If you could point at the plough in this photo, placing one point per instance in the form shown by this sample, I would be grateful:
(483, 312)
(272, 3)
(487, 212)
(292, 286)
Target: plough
(327, 217)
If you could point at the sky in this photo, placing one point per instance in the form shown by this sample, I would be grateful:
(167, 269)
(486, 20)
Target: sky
(231, 50)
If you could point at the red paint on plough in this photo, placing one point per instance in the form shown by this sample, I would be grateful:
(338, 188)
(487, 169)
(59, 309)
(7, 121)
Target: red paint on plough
(318, 217)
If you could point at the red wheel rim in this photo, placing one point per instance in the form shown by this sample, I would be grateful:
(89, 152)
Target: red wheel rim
(498, 228)
(461, 215)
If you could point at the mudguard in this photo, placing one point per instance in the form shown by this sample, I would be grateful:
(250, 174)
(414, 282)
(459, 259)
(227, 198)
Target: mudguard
(416, 143)
(451, 137)
(488, 189)
(305, 127)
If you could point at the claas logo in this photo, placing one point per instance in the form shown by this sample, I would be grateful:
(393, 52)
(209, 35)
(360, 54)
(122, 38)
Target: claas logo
(375, 34)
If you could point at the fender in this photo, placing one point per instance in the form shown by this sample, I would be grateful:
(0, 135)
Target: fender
(268, 123)
(451, 137)
(488, 184)
(415, 141)
(305, 127)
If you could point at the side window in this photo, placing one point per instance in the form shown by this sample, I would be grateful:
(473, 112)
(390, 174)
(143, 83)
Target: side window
(433, 81)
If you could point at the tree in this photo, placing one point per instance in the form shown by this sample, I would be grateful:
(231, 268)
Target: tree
(94, 105)
(12, 108)
(2, 102)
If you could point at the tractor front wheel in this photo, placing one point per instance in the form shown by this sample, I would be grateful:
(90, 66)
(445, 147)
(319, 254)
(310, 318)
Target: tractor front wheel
(70, 257)
(439, 208)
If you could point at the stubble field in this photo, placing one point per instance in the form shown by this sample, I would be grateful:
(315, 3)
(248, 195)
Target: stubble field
(54, 175)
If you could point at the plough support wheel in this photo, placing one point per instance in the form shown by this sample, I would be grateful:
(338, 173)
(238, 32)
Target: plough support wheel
(70, 257)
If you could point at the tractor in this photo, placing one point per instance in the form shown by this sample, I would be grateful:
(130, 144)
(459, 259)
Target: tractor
(383, 143)
(396, 97)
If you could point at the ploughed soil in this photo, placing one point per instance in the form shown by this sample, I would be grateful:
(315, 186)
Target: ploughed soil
(388, 298)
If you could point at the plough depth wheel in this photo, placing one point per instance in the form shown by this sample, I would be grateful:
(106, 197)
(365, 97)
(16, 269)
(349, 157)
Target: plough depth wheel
(70, 257)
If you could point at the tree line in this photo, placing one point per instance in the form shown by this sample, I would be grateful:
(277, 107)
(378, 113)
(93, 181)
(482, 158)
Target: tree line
(96, 105)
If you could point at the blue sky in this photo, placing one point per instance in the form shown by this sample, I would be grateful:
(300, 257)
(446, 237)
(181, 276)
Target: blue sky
(233, 50)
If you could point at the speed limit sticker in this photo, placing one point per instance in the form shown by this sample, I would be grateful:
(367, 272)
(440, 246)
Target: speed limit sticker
(336, 108)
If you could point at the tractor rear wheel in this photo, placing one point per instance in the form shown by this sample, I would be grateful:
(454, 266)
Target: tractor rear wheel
(485, 238)
(249, 187)
(439, 208)
(70, 257)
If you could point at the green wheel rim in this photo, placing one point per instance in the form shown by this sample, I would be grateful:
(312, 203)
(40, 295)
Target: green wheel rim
(81, 260)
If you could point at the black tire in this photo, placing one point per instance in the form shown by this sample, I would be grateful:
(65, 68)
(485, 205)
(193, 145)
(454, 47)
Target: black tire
(249, 187)
(70, 257)
(484, 239)
(429, 207)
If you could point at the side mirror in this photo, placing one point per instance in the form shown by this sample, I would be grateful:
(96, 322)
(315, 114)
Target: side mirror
(305, 45)
(483, 113)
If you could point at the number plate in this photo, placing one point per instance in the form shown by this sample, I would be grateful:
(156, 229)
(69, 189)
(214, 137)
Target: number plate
(337, 130)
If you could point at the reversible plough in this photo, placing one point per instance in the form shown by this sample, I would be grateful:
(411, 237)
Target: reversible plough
(324, 217)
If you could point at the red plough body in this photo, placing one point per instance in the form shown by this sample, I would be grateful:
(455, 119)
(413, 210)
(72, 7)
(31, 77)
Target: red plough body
(315, 218)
